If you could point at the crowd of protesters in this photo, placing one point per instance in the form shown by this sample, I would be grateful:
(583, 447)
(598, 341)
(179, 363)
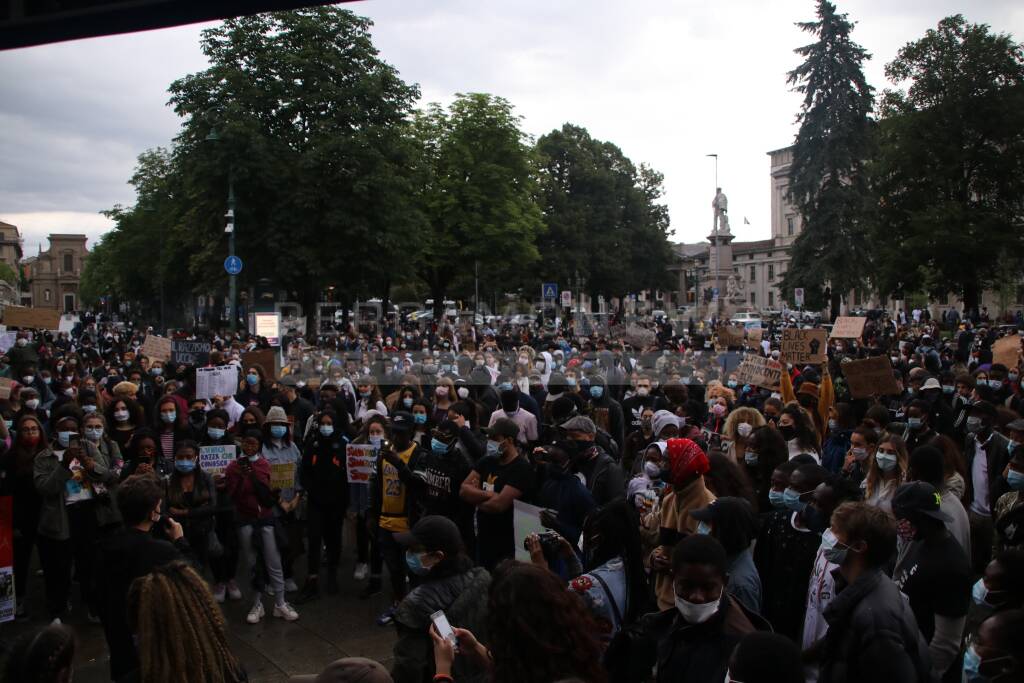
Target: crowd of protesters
(696, 528)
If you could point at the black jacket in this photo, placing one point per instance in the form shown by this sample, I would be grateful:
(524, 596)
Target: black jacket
(605, 480)
(323, 472)
(872, 635)
(998, 456)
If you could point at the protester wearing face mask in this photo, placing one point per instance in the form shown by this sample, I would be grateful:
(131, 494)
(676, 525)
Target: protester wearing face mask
(324, 479)
(863, 445)
(169, 426)
(374, 434)
(94, 430)
(933, 572)
(190, 498)
(994, 654)
(785, 551)
(885, 472)
(511, 410)
(565, 500)
(926, 464)
(999, 589)
(798, 430)
(247, 482)
(737, 430)
(987, 454)
(281, 451)
(30, 404)
(734, 523)
(441, 470)
(368, 399)
(30, 378)
(602, 476)
(296, 406)
(872, 633)
(24, 355)
(764, 452)
(125, 417)
(448, 582)
(838, 430)
(1008, 515)
(713, 621)
(254, 388)
(493, 485)
(633, 407)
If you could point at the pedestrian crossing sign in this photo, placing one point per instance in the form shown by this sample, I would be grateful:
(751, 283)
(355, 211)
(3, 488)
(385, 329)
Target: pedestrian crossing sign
(550, 290)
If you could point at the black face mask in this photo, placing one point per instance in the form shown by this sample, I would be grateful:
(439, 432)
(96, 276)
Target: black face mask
(815, 519)
(788, 432)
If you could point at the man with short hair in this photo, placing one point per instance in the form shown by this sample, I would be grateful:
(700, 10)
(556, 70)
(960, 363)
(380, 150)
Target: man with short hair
(872, 633)
(633, 407)
(512, 410)
(132, 552)
(987, 453)
(298, 409)
(601, 474)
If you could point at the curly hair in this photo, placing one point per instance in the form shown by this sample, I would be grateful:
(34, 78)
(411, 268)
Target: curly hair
(749, 415)
(539, 631)
(176, 619)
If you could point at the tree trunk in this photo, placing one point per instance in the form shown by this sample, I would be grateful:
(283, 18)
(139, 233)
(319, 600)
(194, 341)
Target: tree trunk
(834, 304)
(309, 301)
(385, 304)
(971, 298)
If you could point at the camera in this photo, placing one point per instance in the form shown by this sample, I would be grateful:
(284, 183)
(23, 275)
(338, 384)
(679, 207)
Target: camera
(548, 541)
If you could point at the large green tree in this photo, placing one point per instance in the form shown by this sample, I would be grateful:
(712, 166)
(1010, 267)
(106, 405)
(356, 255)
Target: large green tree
(475, 184)
(828, 183)
(951, 164)
(604, 220)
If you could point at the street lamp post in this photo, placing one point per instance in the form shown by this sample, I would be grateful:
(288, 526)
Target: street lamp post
(229, 228)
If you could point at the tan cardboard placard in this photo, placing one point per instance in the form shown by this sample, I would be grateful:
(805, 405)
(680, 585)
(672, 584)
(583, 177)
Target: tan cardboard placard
(847, 327)
(803, 347)
(6, 384)
(32, 318)
(759, 371)
(157, 348)
(729, 336)
(754, 337)
(265, 358)
(870, 377)
(1006, 350)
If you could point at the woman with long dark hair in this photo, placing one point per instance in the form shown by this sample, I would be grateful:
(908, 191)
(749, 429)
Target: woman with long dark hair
(797, 427)
(766, 450)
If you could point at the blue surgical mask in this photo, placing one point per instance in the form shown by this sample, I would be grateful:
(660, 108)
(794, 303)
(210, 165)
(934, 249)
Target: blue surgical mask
(914, 423)
(571, 381)
(493, 449)
(996, 384)
(886, 461)
(93, 433)
(703, 528)
(1015, 479)
(88, 409)
(830, 548)
(326, 430)
(777, 499)
(278, 431)
(169, 417)
(652, 470)
(505, 386)
(64, 438)
(973, 424)
(597, 391)
(732, 384)
(253, 379)
(407, 402)
(9, 424)
(791, 497)
(375, 441)
(948, 389)
(184, 466)
(415, 563)
(420, 418)
(438, 446)
(215, 432)
(972, 664)
(750, 458)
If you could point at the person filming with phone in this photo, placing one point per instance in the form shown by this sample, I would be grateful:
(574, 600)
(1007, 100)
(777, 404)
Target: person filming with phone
(452, 592)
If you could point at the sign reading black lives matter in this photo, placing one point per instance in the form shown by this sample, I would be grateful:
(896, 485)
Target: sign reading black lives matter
(191, 352)
(803, 347)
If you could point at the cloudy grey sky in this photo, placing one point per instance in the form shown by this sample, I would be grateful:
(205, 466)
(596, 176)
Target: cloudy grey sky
(669, 81)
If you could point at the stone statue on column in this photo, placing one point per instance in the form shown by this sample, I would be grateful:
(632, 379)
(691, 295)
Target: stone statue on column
(721, 206)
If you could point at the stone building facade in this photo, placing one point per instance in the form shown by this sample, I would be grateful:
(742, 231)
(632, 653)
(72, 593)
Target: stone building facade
(54, 275)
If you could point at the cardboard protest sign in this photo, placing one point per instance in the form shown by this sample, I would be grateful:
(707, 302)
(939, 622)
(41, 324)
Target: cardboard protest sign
(754, 337)
(6, 384)
(186, 352)
(360, 460)
(760, 372)
(219, 381)
(847, 327)
(157, 348)
(525, 521)
(730, 335)
(803, 347)
(282, 475)
(1006, 350)
(214, 459)
(268, 359)
(870, 377)
(32, 318)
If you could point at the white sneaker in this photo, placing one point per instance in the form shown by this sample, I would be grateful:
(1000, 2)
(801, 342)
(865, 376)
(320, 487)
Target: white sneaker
(361, 572)
(290, 586)
(233, 592)
(56, 622)
(256, 613)
(219, 591)
(286, 612)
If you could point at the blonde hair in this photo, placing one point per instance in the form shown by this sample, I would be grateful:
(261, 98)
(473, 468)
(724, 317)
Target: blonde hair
(749, 415)
(179, 628)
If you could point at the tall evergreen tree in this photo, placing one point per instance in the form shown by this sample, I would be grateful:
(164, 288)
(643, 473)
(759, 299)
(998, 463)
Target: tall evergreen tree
(828, 184)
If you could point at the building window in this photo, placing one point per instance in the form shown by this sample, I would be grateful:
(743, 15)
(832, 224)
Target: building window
(751, 257)
(753, 298)
(47, 295)
(69, 263)
(753, 273)
(789, 225)
(771, 271)
(771, 298)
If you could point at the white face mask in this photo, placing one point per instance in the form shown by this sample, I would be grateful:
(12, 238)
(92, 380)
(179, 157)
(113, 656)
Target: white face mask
(744, 429)
(697, 613)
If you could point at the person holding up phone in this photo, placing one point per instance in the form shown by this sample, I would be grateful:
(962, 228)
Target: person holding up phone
(452, 591)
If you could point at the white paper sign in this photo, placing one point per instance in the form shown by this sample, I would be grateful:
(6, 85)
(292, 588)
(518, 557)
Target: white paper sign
(526, 521)
(214, 459)
(219, 381)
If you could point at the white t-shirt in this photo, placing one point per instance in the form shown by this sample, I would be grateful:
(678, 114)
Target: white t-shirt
(979, 479)
(820, 591)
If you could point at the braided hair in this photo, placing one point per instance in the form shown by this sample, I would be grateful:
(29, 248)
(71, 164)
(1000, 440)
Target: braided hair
(175, 619)
(41, 657)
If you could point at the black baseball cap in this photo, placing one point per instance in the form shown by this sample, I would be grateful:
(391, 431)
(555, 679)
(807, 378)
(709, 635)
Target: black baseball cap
(918, 497)
(403, 421)
(433, 532)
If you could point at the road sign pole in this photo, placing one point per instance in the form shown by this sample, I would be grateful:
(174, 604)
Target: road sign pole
(232, 278)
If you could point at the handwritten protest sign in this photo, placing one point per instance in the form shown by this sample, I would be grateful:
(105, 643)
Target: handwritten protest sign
(360, 459)
(760, 372)
(219, 381)
(729, 336)
(190, 352)
(754, 337)
(282, 475)
(157, 348)
(1006, 350)
(33, 318)
(803, 347)
(870, 377)
(268, 359)
(214, 459)
(847, 327)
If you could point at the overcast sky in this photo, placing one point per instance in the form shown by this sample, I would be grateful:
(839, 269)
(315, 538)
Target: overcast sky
(668, 81)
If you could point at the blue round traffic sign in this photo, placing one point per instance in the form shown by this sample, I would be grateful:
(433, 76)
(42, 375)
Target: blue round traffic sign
(233, 265)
